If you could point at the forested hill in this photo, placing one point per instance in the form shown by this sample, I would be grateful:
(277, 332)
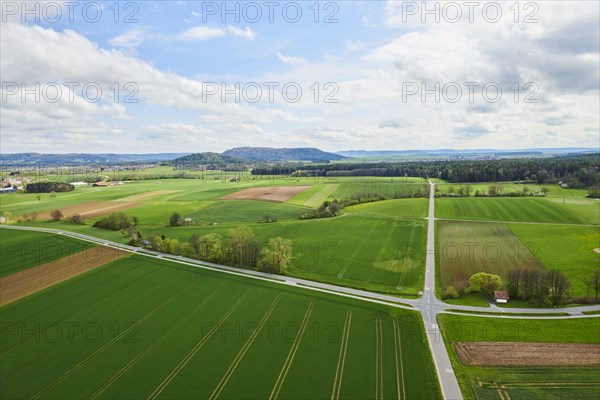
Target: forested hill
(576, 170)
(203, 158)
(285, 154)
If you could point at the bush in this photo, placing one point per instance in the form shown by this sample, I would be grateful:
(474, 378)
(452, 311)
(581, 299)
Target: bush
(56, 215)
(450, 293)
(115, 222)
(76, 219)
(175, 219)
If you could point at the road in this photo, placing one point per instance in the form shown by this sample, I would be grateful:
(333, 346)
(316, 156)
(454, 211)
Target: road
(429, 306)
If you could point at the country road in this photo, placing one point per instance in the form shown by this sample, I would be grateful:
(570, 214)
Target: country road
(429, 306)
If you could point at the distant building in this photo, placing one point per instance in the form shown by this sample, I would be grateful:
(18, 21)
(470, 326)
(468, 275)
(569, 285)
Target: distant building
(79, 184)
(501, 296)
(100, 184)
(7, 190)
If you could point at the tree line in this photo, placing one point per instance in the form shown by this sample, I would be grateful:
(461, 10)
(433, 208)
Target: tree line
(578, 171)
(47, 187)
(241, 249)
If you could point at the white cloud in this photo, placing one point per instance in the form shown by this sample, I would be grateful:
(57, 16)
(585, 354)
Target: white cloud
(129, 40)
(246, 32)
(291, 59)
(200, 33)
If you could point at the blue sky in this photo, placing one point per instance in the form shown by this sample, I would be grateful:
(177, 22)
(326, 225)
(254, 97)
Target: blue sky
(388, 75)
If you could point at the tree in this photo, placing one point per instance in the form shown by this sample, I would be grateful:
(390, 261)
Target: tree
(593, 282)
(53, 194)
(175, 219)
(278, 255)
(209, 247)
(559, 286)
(513, 283)
(461, 191)
(243, 248)
(7, 215)
(486, 283)
(468, 190)
(56, 215)
(38, 197)
(545, 191)
(33, 216)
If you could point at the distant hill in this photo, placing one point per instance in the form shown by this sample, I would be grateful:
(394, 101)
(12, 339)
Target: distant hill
(83, 158)
(204, 158)
(448, 152)
(285, 154)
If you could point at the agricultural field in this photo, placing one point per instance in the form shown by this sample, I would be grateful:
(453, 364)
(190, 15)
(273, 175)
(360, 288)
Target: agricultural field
(377, 246)
(140, 327)
(21, 250)
(465, 248)
(567, 248)
(510, 187)
(516, 209)
(525, 382)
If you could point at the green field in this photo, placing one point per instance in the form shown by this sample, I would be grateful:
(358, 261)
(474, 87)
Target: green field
(376, 246)
(20, 250)
(413, 208)
(578, 211)
(567, 248)
(465, 248)
(140, 327)
(510, 187)
(527, 383)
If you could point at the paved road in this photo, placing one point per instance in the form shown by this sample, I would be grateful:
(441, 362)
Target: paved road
(428, 305)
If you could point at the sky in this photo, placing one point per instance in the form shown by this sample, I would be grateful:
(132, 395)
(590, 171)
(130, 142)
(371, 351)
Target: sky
(194, 76)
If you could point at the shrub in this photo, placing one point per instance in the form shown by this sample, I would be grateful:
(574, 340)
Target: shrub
(76, 219)
(115, 222)
(56, 215)
(450, 293)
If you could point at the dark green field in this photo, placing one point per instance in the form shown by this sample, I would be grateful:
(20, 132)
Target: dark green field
(146, 328)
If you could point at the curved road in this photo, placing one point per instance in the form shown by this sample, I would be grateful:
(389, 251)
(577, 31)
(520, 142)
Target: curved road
(428, 305)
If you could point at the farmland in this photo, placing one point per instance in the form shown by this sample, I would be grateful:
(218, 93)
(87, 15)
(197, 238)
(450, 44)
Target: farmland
(147, 328)
(542, 210)
(21, 250)
(467, 248)
(389, 258)
(528, 382)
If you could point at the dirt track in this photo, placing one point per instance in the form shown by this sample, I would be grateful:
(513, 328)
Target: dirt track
(488, 354)
(91, 209)
(278, 193)
(24, 283)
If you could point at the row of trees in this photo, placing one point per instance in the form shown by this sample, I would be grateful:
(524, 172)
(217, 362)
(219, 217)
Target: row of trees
(539, 285)
(240, 249)
(117, 222)
(495, 190)
(47, 187)
(579, 171)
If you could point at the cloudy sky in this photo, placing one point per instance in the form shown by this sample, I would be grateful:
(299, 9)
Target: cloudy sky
(188, 76)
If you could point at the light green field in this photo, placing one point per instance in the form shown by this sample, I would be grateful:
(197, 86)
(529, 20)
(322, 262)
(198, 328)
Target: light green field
(411, 208)
(20, 250)
(518, 209)
(146, 328)
(567, 248)
(530, 383)
(383, 254)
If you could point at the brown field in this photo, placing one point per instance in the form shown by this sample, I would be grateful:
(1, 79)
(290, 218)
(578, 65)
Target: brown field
(147, 195)
(466, 248)
(24, 283)
(517, 354)
(278, 194)
(92, 209)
